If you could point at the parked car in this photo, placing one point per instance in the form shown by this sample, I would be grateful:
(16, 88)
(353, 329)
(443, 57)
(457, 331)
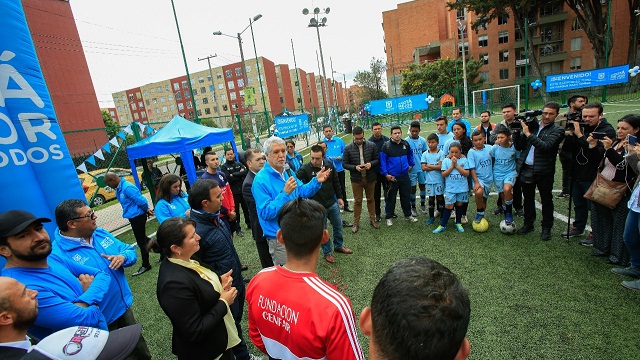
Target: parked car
(94, 180)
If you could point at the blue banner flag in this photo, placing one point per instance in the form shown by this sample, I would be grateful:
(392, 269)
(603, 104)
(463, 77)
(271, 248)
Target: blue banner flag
(589, 78)
(34, 158)
(399, 105)
(291, 125)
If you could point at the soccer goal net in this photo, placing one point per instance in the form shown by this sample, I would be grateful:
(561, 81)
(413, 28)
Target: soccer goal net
(493, 99)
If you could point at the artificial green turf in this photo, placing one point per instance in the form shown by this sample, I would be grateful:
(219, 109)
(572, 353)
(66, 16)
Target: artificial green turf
(530, 299)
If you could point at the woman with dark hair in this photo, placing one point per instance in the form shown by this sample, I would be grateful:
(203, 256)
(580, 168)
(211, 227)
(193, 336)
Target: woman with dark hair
(172, 201)
(194, 298)
(459, 135)
(294, 159)
(607, 224)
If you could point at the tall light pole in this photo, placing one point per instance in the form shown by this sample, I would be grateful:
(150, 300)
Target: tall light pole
(244, 65)
(461, 27)
(213, 84)
(264, 103)
(317, 23)
(184, 57)
(344, 89)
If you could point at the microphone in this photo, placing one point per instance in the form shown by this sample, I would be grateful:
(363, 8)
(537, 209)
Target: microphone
(287, 169)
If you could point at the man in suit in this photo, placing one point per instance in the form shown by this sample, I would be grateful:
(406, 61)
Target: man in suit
(255, 162)
(18, 311)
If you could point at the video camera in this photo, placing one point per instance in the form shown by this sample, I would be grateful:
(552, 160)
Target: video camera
(529, 118)
(577, 118)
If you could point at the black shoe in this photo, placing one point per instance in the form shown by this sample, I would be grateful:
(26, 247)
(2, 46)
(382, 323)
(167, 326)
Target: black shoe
(378, 218)
(573, 232)
(497, 211)
(546, 234)
(563, 195)
(142, 270)
(346, 209)
(244, 268)
(525, 229)
(587, 242)
(394, 216)
(240, 233)
(520, 213)
(346, 224)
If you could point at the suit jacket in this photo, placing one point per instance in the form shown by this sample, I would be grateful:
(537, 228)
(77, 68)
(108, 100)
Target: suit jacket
(256, 229)
(195, 310)
(11, 353)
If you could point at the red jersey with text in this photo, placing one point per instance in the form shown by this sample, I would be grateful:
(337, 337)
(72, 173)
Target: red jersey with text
(296, 315)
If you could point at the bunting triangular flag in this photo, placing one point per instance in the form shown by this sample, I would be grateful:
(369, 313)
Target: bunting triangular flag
(128, 130)
(91, 160)
(114, 141)
(150, 130)
(121, 135)
(142, 127)
(107, 148)
(98, 154)
(82, 167)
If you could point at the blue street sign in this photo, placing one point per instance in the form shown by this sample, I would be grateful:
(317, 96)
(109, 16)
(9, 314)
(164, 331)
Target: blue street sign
(292, 125)
(583, 79)
(399, 105)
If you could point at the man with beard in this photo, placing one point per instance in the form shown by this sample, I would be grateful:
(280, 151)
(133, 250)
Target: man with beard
(18, 311)
(67, 296)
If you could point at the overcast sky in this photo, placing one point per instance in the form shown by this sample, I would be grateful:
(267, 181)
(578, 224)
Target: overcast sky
(135, 42)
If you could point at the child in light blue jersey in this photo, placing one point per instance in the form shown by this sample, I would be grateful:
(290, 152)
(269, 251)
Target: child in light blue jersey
(455, 170)
(417, 177)
(431, 164)
(504, 169)
(481, 167)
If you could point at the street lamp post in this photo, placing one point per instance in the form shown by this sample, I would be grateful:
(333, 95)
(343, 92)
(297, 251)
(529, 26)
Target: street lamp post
(264, 103)
(213, 84)
(316, 23)
(461, 28)
(244, 66)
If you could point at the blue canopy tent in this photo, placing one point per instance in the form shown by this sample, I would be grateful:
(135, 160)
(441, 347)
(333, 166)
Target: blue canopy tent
(179, 136)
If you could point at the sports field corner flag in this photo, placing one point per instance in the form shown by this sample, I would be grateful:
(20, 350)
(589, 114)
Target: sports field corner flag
(34, 159)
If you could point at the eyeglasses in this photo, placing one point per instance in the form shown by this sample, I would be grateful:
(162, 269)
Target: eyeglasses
(90, 215)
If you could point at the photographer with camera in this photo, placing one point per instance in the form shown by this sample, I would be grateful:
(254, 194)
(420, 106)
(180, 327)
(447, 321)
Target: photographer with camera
(576, 103)
(585, 163)
(538, 143)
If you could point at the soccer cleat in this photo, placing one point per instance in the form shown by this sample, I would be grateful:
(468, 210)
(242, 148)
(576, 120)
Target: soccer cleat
(463, 219)
(430, 221)
(459, 227)
(439, 229)
(389, 222)
(453, 215)
(478, 218)
(436, 213)
(412, 218)
(508, 218)
(414, 212)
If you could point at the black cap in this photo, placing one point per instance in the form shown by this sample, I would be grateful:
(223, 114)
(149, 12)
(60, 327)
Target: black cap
(14, 222)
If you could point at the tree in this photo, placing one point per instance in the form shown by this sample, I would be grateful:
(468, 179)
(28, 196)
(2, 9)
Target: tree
(634, 27)
(372, 81)
(593, 20)
(111, 125)
(438, 77)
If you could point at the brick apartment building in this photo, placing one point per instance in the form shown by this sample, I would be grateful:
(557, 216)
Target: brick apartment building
(57, 42)
(222, 97)
(426, 30)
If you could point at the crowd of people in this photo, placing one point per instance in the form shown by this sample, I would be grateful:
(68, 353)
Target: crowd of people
(76, 279)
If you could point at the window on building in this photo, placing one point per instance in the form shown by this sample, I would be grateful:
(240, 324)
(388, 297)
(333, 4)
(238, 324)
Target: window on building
(232, 96)
(247, 68)
(550, 7)
(213, 98)
(483, 40)
(209, 77)
(195, 91)
(223, 97)
(133, 106)
(159, 89)
(138, 95)
(187, 94)
(128, 117)
(240, 82)
(220, 86)
(197, 102)
(576, 44)
(484, 58)
(242, 93)
(120, 108)
(225, 108)
(144, 92)
(207, 111)
(147, 101)
(550, 49)
(231, 85)
(503, 37)
(211, 88)
(218, 76)
(461, 14)
(281, 99)
(143, 114)
(205, 100)
(576, 63)
(234, 106)
(172, 107)
(140, 104)
(503, 55)
(154, 100)
(504, 74)
(203, 90)
(484, 75)
(178, 95)
(503, 19)
(521, 71)
(136, 116)
(201, 79)
(189, 105)
(167, 87)
(466, 49)
(185, 85)
(156, 111)
(176, 86)
(238, 71)
(130, 97)
(164, 109)
(170, 97)
(180, 106)
(163, 99)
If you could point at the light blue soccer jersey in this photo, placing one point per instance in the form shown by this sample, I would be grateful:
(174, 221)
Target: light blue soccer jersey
(418, 146)
(482, 162)
(433, 176)
(455, 182)
(442, 139)
(505, 161)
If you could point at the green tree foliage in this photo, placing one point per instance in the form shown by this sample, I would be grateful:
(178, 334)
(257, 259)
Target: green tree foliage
(111, 125)
(592, 17)
(372, 81)
(439, 77)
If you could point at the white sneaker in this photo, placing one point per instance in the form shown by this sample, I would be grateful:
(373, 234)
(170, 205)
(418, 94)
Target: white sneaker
(453, 215)
(412, 218)
(389, 222)
(436, 213)
(256, 357)
(464, 220)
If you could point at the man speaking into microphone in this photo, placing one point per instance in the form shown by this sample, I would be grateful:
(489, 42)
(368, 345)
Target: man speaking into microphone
(273, 186)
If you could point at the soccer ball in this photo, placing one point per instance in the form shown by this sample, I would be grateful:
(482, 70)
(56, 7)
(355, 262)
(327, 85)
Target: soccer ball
(481, 226)
(507, 229)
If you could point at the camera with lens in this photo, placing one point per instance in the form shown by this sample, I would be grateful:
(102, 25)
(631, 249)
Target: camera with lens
(529, 118)
(576, 117)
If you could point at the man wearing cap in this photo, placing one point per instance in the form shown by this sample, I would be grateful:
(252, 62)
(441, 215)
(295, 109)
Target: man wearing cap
(79, 240)
(68, 295)
(135, 208)
(18, 311)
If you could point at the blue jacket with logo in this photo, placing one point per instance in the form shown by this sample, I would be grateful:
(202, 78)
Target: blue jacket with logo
(132, 201)
(268, 191)
(69, 250)
(396, 158)
(177, 207)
